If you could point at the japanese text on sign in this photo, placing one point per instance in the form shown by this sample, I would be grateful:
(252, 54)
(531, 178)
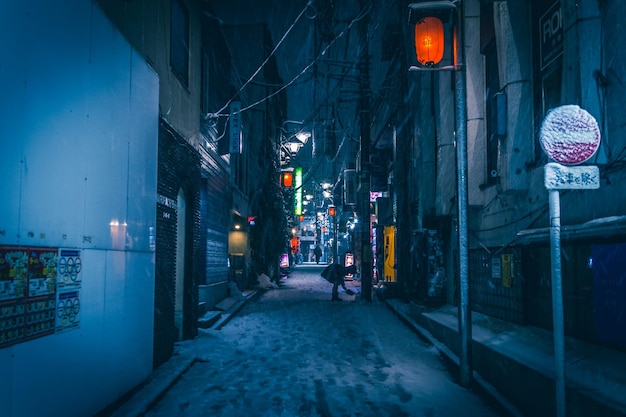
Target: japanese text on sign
(559, 177)
(235, 127)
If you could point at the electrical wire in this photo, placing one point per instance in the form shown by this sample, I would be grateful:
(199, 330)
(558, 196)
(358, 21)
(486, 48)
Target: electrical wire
(282, 39)
(302, 72)
(306, 68)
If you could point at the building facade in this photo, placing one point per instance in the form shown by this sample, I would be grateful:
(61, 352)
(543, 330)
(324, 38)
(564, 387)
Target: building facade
(522, 59)
(152, 190)
(194, 200)
(79, 139)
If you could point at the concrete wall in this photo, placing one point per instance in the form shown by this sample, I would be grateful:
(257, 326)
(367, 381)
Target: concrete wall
(78, 170)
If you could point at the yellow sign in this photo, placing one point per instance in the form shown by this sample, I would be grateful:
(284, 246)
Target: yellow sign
(389, 264)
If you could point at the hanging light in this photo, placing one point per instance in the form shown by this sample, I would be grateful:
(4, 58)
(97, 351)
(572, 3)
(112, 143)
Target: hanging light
(286, 179)
(429, 41)
(294, 147)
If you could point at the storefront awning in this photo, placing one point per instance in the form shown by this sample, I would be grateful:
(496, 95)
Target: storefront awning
(606, 227)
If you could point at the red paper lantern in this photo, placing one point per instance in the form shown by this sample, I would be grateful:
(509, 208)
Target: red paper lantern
(429, 41)
(286, 179)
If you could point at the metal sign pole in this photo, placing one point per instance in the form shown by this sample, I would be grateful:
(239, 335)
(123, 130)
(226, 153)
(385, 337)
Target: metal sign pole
(570, 136)
(557, 301)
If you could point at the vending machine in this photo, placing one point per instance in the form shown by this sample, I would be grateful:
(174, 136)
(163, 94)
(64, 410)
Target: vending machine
(389, 265)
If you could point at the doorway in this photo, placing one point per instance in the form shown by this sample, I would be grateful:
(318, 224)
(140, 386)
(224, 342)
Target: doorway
(180, 263)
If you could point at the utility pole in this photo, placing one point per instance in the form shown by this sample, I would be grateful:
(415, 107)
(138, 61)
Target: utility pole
(465, 313)
(364, 177)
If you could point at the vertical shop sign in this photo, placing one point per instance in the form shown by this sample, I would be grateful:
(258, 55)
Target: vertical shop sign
(298, 191)
(551, 35)
(235, 127)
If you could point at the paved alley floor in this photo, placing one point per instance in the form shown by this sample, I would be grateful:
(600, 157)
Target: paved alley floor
(294, 352)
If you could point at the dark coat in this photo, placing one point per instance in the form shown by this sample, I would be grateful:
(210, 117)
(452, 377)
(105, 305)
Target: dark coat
(335, 272)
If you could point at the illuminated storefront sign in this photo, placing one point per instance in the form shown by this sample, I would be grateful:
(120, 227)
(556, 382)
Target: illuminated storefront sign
(298, 191)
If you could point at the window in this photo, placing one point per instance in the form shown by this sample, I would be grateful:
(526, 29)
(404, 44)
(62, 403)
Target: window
(493, 107)
(547, 62)
(493, 96)
(206, 77)
(179, 42)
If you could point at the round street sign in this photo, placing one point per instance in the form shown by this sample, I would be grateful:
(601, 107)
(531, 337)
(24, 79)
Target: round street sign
(569, 135)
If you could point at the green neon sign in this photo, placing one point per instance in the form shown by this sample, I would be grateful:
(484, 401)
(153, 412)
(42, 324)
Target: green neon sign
(298, 193)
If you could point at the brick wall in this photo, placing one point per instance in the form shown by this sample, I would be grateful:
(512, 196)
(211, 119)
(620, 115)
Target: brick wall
(178, 168)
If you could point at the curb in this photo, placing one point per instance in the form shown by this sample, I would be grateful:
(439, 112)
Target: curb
(146, 395)
(159, 382)
(481, 383)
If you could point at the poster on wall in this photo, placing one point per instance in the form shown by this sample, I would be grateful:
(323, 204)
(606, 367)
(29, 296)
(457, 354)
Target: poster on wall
(27, 293)
(11, 322)
(69, 275)
(39, 316)
(13, 272)
(42, 271)
(39, 292)
(68, 310)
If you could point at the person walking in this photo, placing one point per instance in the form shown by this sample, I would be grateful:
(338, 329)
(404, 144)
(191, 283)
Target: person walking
(318, 253)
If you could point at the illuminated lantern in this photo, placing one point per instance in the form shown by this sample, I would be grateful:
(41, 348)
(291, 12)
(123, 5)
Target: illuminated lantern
(332, 211)
(286, 179)
(429, 40)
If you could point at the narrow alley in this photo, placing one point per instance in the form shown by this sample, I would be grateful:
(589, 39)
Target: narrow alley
(294, 352)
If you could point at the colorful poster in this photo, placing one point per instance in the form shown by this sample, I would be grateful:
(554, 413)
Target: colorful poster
(39, 292)
(11, 322)
(28, 281)
(39, 317)
(42, 271)
(69, 275)
(68, 310)
(13, 272)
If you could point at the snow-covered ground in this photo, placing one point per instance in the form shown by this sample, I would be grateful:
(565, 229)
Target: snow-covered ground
(294, 352)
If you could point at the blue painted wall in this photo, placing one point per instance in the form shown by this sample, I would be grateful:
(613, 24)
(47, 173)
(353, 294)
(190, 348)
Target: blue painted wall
(78, 169)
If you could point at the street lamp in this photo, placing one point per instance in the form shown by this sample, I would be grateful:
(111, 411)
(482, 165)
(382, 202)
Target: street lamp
(425, 10)
(292, 140)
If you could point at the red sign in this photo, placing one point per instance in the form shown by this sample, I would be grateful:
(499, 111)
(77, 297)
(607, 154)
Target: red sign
(569, 135)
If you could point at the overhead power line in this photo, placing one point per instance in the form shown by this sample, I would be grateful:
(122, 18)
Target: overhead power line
(282, 39)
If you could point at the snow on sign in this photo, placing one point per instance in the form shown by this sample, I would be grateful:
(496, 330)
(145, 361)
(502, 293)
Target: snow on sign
(569, 135)
(560, 177)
